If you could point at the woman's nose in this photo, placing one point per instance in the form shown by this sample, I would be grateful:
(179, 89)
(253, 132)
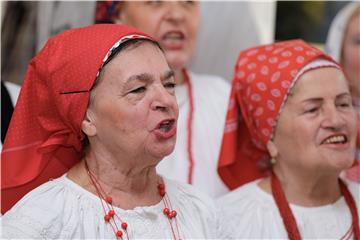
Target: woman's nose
(163, 100)
(333, 118)
(174, 12)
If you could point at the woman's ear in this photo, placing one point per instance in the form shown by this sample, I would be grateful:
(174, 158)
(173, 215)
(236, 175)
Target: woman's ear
(272, 149)
(87, 125)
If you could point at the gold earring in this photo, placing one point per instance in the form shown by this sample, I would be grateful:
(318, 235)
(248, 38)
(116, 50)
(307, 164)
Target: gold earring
(273, 161)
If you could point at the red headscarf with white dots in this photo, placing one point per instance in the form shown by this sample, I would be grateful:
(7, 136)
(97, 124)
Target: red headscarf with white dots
(263, 77)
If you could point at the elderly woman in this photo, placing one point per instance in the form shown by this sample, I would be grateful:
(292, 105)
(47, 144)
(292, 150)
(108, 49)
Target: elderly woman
(99, 100)
(295, 110)
(175, 25)
(343, 44)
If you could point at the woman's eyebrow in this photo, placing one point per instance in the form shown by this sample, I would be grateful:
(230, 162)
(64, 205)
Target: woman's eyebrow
(168, 74)
(143, 77)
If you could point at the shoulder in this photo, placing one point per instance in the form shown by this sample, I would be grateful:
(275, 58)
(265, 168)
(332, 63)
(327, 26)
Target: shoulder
(196, 209)
(41, 213)
(246, 210)
(189, 195)
(239, 199)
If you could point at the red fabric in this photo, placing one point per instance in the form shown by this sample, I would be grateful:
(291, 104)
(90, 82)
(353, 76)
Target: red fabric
(44, 136)
(261, 81)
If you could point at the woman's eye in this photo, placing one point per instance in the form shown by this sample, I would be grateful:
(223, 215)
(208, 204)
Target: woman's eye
(153, 3)
(138, 90)
(344, 105)
(189, 2)
(311, 110)
(170, 85)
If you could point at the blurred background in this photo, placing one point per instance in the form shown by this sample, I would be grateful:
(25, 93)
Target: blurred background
(227, 28)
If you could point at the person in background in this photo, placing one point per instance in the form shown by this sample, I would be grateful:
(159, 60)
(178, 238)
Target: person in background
(202, 99)
(9, 95)
(343, 44)
(292, 105)
(97, 112)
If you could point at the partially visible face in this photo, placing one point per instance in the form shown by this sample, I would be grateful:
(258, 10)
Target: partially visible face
(133, 108)
(174, 24)
(351, 53)
(317, 128)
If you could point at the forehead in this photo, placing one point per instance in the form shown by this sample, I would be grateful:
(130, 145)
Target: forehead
(144, 57)
(319, 82)
(355, 20)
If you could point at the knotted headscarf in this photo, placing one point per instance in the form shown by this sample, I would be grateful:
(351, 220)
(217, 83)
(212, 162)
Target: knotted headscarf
(262, 79)
(44, 139)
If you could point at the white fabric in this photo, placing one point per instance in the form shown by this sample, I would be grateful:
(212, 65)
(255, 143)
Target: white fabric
(211, 95)
(13, 90)
(250, 212)
(61, 209)
(229, 27)
(337, 30)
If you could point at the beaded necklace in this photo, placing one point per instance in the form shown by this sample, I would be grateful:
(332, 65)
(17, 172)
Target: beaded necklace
(119, 225)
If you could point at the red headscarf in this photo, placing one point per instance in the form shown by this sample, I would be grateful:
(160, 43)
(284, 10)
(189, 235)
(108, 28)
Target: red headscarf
(44, 139)
(263, 76)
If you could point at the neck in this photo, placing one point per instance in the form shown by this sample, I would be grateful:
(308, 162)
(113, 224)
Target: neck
(179, 77)
(306, 188)
(129, 187)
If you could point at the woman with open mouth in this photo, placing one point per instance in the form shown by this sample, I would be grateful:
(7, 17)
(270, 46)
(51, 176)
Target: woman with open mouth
(96, 114)
(291, 130)
(202, 98)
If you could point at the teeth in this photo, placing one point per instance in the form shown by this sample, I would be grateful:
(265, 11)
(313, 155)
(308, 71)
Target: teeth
(165, 126)
(335, 139)
(173, 36)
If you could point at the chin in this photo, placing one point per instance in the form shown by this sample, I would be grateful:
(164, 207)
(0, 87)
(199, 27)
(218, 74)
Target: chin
(343, 163)
(176, 60)
(163, 152)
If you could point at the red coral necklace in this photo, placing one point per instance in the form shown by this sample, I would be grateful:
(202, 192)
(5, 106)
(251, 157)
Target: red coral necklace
(119, 225)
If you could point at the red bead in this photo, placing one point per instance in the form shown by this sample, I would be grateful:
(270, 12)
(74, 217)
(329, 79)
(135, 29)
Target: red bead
(108, 199)
(172, 214)
(162, 192)
(111, 213)
(119, 233)
(124, 225)
(161, 186)
(166, 211)
(107, 217)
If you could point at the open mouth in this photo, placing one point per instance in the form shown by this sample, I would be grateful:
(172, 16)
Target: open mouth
(166, 125)
(166, 129)
(173, 38)
(335, 139)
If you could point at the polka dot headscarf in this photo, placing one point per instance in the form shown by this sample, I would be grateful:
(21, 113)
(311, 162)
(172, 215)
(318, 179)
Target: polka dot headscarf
(262, 79)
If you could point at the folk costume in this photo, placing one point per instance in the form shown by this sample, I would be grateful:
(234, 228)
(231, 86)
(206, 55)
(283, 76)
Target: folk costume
(45, 140)
(202, 101)
(263, 78)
